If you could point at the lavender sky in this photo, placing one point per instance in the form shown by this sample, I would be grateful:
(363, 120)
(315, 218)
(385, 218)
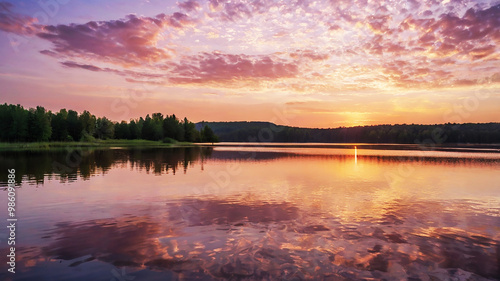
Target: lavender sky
(301, 63)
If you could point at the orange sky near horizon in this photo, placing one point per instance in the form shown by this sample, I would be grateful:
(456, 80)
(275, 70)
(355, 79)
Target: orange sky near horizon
(299, 63)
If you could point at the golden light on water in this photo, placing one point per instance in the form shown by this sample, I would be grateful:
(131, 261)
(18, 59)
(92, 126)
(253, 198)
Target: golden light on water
(355, 155)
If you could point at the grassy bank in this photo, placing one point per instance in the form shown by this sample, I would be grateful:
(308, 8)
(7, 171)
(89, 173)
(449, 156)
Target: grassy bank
(36, 146)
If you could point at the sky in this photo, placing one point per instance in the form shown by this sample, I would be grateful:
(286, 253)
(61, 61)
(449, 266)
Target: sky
(301, 63)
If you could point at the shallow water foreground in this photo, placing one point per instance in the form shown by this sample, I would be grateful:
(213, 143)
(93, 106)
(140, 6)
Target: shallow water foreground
(255, 213)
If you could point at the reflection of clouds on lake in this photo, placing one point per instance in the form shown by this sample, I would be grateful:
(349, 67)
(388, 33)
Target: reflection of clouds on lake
(203, 212)
(124, 241)
(262, 240)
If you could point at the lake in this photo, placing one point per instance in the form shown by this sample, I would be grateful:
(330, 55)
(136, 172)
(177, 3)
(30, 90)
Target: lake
(280, 212)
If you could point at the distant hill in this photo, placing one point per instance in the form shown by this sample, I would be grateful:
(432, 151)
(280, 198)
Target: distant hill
(486, 133)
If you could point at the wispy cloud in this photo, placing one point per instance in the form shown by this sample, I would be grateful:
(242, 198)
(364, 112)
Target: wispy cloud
(125, 73)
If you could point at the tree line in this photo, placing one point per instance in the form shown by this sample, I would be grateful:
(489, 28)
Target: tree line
(400, 133)
(40, 125)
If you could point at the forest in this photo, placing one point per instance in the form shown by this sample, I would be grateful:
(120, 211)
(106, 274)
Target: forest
(18, 124)
(485, 133)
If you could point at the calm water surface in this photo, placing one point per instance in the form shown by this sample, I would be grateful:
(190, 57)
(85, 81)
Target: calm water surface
(254, 213)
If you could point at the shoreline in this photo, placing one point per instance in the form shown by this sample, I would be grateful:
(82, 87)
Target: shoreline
(108, 144)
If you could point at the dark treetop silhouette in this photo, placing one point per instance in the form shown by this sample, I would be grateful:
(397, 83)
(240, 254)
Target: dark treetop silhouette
(438, 133)
(22, 125)
(37, 124)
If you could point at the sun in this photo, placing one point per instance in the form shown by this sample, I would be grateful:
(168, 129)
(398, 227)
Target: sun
(353, 119)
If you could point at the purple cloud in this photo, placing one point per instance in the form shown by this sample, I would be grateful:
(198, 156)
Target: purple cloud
(15, 23)
(189, 5)
(130, 41)
(224, 68)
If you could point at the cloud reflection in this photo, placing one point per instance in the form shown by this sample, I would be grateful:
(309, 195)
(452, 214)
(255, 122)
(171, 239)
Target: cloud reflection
(228, 239)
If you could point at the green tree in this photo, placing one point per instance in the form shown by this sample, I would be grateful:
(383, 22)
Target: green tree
(157, 125)
(135, 131)
(19, 128)
(39, 124)
(140, 126)
(190, 132)
(122, 130)
(180, 136)
(6, 120)
(207, 135)
(172, 128)
(59, 125)
(14, 123)
(88, 122)
(105, 129)
(74, 125)
(147, 128)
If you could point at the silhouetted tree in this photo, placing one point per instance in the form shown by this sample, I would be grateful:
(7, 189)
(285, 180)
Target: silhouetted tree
(171, 127)
(135, 132)
(59, 125)
(190, 132)
(74, 125)
(39, 124)
(36, 124)
(146, 130)
(122, 130)
(207, 135)
(88, 122)
(399, 133)
(104, 128)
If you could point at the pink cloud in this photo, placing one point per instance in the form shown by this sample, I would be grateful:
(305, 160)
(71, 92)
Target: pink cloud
(130, 41)
(236, 10)
(217, 67)
(379, 23)
(309, 54)
(15, 23)
(475, 34)
(231, 11)
(418, 73)
(189, 5)
(208, 68)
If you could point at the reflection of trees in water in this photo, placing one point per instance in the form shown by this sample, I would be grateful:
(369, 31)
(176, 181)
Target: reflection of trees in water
(160, 161)
(69, 165)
